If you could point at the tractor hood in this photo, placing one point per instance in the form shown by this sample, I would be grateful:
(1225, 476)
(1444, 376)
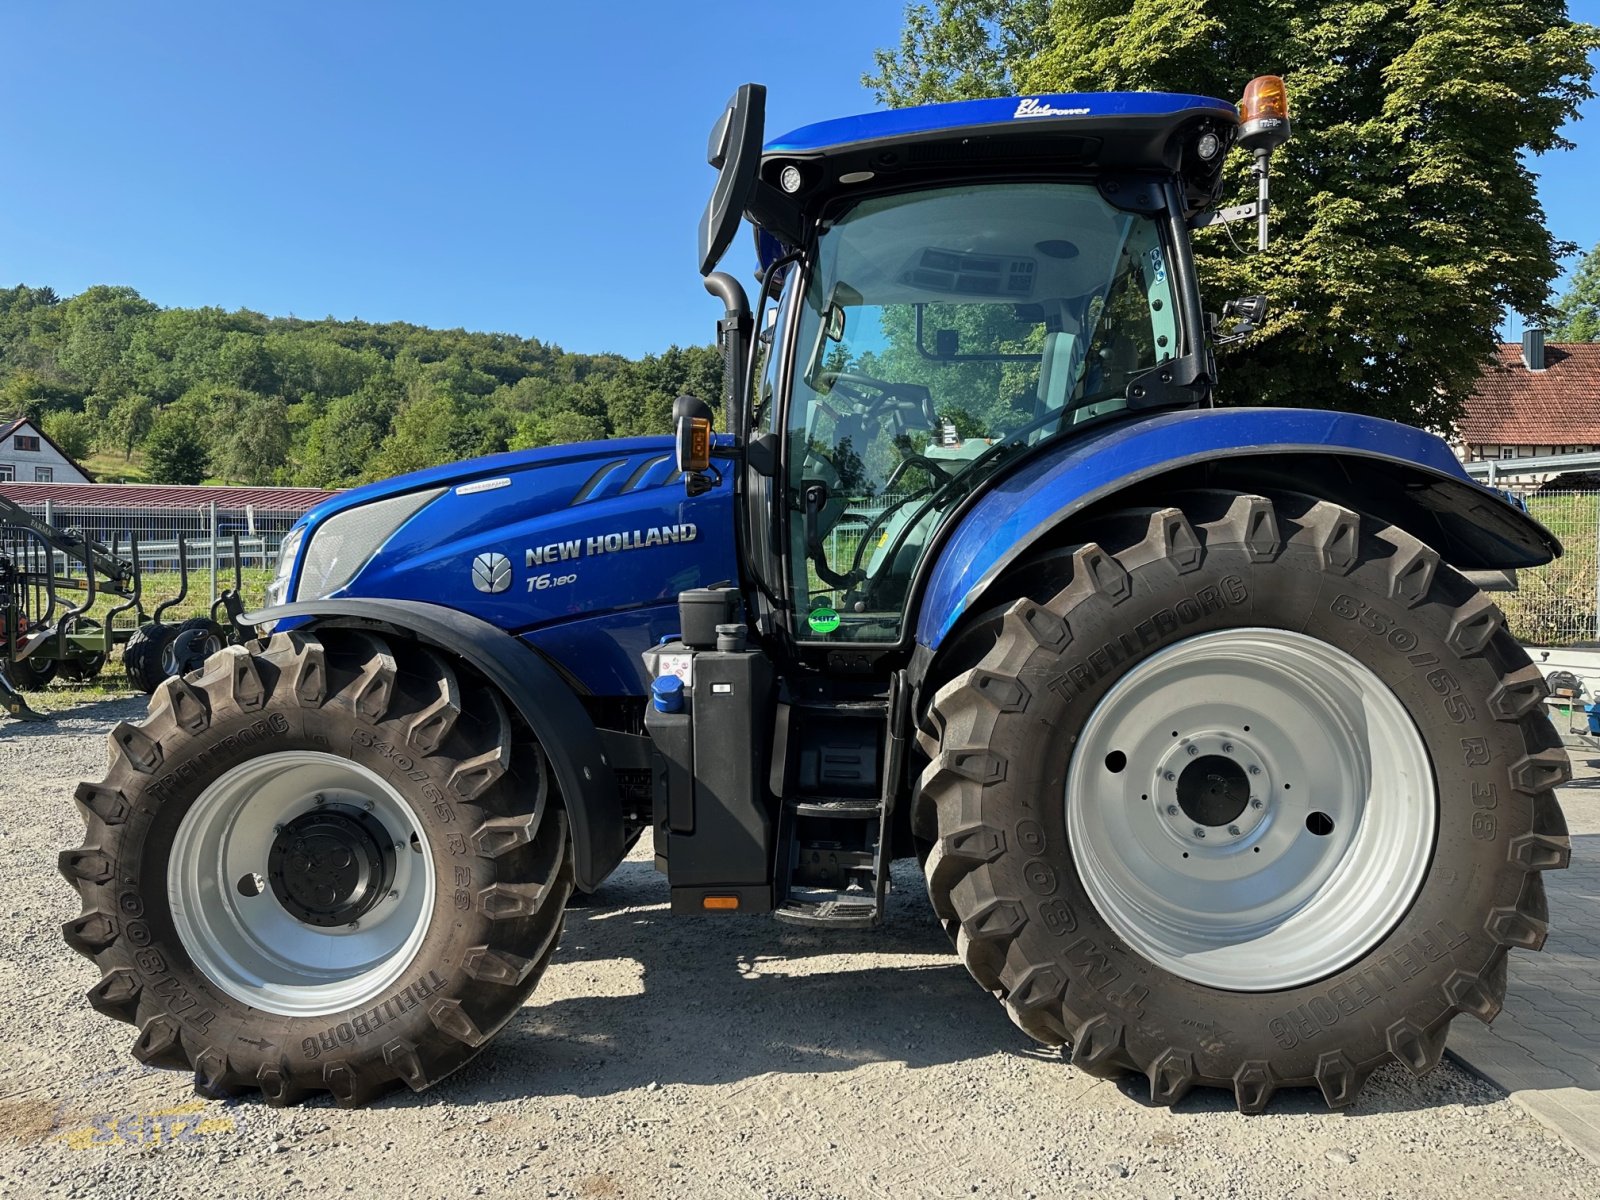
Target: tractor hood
(525, 540)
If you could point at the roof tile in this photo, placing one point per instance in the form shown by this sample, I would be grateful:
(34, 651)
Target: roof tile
(1558, 406)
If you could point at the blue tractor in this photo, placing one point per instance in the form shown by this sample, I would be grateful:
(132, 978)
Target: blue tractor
(1221, 766)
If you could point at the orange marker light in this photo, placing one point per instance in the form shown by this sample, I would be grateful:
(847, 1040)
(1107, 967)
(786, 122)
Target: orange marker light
(720, 903)
(699, 455)
(1264, 114)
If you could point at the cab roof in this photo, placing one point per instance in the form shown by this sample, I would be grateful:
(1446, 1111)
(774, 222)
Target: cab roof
(1100, 133)
(1102, 112)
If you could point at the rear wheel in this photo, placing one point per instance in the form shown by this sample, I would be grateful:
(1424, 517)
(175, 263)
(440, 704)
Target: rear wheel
(1258, 797)
(192, 642)
(320, 864)
(141, 657)
(31, 674)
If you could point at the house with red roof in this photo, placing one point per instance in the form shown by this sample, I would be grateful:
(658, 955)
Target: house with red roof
(1533, 399)
(27, 455)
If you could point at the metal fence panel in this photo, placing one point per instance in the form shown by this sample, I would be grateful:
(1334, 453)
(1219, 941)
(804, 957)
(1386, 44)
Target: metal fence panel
(1557, 604)
(206, 534)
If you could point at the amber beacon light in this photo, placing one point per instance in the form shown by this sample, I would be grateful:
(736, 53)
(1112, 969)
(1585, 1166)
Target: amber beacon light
(1263, 127)
(1264, 114)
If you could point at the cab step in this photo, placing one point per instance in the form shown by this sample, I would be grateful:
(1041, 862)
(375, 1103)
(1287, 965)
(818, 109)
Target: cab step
(838, 781)
(858, 910)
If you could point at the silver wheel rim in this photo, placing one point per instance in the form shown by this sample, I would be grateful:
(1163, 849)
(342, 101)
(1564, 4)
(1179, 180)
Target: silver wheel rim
(1334, 835)
(233, 922)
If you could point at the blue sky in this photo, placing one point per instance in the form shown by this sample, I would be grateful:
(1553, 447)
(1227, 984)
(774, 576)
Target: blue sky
(529, 168)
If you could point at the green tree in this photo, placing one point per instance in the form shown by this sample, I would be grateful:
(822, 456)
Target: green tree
(1578, 310)
(248, 437)
(1406, 219)
(176, 448)
(558, 429)
(97, 327)
(339, 446)
(72, 432)
(127, 422)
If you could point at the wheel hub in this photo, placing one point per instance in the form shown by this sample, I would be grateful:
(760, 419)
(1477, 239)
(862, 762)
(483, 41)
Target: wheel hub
(331, 865)
(1251, 808)
(1212, 788)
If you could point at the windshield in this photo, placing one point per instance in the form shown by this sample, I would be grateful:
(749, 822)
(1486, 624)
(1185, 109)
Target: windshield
(938, 330)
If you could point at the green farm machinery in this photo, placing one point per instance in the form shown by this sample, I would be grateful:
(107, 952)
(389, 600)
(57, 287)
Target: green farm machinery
(50, 583)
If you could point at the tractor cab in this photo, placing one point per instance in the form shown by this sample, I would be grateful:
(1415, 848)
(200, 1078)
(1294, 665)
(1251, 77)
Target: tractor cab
(946, 293)
(943, 289)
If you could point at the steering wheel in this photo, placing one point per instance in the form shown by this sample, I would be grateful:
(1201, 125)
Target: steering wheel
(906, 397)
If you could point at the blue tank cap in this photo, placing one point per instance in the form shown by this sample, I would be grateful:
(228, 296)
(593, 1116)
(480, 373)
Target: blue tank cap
(667, 693)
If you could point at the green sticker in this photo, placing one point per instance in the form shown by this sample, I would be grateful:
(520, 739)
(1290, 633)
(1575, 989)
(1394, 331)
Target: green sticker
(823, 620)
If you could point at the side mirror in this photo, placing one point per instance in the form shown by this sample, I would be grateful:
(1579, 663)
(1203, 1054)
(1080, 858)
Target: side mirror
(735, 151)
(692, 422)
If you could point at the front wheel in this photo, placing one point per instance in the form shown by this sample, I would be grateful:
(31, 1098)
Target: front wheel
(1258, 798)
(325, 863)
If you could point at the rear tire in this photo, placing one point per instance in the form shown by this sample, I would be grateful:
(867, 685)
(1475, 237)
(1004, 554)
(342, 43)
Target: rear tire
(322, 864)
(1053, 851)
(31, 674)
(141, 657)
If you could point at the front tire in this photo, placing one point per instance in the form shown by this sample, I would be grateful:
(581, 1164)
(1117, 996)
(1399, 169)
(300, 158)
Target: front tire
(1258, 798)
(324, 863)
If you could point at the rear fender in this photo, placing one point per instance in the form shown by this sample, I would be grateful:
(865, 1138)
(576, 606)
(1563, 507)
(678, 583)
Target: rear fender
(533, 687)
(1393, 472)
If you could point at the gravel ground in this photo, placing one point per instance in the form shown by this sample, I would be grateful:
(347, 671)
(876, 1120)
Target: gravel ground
(694, 1057)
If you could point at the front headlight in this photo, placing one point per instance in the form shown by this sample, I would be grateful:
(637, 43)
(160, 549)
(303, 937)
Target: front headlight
(278, 589)
(346, 541)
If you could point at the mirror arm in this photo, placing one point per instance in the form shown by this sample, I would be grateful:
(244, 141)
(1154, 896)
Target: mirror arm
(733, 338)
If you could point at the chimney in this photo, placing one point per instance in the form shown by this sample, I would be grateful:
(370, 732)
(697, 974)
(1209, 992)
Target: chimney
(1533, 348)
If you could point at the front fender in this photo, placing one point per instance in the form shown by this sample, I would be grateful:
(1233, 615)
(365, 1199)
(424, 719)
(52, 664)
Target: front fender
(535, 690)
(1395, 472)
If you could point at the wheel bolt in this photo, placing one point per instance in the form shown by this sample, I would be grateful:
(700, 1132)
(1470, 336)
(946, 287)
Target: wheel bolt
(1227, 747)
(1233, 829)
(1255, 801)
(1193, 750)
(1168, 776)
(399, 845)
(395, 894)
(354, 925)
(1254, 770)
(1172, 810)
(317, 800)
(1199, 833)
(278, 829)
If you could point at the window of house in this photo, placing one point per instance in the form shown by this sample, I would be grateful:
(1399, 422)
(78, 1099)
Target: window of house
(7, 473)
(24, 442)
(44, 474)
(1508, 451)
